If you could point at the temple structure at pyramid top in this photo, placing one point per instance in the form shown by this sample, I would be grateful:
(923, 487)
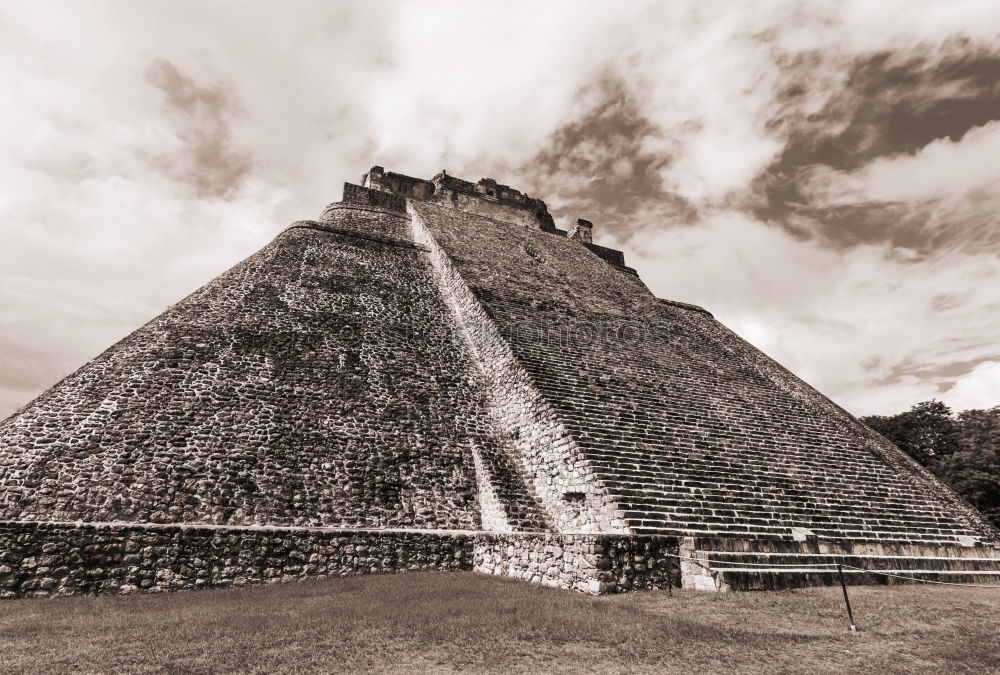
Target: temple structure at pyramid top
(432, 375)
(485, 198)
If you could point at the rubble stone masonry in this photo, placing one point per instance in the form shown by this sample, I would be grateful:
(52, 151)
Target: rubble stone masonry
(433, 376)
(38, 559)
(320, 382)
(41, 559)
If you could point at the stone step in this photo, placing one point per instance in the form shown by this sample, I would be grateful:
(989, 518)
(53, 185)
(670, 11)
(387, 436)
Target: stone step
(728, 459)
(736, 509)
(765, 565)
(637, 492)
(898, 562)
(785, 578)
(914, 535)
(753, 494)
(741, 532)
(861, 487)
(647, 519)
(730, 484)
(789, 547)
(788, 521)
(900, 571)
(682, 530)
(521, 510)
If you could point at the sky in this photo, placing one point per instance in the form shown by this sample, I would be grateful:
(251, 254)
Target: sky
(823, 177)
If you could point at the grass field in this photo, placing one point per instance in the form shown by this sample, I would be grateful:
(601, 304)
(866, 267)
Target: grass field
(463, 622)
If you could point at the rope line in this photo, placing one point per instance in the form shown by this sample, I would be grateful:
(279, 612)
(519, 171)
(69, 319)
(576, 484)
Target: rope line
(925, 581)
(736, 562)
(832, 567)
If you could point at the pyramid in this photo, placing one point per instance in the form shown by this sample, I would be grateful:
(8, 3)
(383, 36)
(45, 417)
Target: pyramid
(432, 375)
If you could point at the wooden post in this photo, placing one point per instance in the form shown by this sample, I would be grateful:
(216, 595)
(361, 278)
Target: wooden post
(847, 600)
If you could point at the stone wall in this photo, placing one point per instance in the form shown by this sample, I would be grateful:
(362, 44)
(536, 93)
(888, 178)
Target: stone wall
(399, 184)
(356, 195)
(609, 255)
(492, 195)
(582, 562)
(490, 208)
(39, 559)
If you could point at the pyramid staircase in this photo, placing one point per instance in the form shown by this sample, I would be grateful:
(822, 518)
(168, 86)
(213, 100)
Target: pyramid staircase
(762, 563)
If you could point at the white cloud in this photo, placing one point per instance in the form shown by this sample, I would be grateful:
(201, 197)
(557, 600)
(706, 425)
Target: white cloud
(980, 388)
(705, 80)
(874, 330)
(707, 73)
(100, 230)
(941, 169)
(475, 83)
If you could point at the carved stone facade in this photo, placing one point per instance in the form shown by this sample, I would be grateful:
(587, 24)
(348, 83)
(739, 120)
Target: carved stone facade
(433, 376)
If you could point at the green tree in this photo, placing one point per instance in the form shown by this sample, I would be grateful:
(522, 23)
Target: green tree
(926, 432)
(962, 450)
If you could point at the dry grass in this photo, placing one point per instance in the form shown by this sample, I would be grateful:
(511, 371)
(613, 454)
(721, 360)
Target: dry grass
(462, 622)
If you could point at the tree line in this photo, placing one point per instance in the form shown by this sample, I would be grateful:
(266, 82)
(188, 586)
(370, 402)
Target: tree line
(962, 449)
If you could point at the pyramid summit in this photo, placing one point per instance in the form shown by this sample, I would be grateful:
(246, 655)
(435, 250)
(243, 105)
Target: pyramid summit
(432, 375)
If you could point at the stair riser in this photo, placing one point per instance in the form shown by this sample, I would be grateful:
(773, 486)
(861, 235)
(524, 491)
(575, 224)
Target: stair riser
(770, 581)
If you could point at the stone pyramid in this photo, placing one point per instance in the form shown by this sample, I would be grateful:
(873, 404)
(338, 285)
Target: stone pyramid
(433, 376)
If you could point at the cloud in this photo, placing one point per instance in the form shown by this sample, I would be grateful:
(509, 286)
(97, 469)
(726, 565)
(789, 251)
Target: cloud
(942, 169)
(938, 198)
(207, 159)
(866, 325)
(743, 154)
(873, 149)
(978, 389)
(480, 85)
(596, 166)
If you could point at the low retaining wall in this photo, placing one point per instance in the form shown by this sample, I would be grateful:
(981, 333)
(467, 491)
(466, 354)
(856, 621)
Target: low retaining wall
(41, 559)
(592, 563)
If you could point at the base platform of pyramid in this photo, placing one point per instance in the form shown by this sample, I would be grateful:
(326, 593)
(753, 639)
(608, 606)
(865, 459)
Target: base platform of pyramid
(433, 376)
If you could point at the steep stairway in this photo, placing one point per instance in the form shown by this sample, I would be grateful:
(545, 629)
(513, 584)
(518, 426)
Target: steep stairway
(735, 496)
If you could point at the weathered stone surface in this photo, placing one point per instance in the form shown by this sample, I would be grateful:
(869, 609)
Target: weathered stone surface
(433, 376)
(670, 416)
(177, 557)
(94, 558)
(733, 563)
(591, 563)
(320, 382)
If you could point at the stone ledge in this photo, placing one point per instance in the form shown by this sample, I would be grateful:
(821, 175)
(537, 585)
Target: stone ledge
(314, 225)
(42, 559)
(684, 305)
(343, 206)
